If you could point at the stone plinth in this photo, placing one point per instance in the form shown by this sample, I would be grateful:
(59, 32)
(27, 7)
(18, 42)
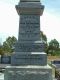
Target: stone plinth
(28, 73)
(27, 58)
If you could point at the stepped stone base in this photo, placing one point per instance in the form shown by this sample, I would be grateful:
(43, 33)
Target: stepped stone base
(29, 58)
(28, 73)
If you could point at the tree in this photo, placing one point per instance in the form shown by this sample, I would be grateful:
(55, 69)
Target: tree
(53, 46)
(54, 43)
(44, 39)
(43, 36)
(8, 44)
(1, 50)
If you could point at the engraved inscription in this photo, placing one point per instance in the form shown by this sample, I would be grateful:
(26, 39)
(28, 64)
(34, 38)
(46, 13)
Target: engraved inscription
(29, 47)
(29, 27)
(29, 57)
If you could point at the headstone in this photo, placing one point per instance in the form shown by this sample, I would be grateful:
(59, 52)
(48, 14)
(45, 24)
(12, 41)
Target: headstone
(5, 59)
(29, 62)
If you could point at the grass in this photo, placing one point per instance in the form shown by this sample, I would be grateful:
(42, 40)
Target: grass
(51, 58)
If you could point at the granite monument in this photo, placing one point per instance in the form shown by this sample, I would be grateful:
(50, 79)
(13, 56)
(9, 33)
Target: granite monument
(29, 61)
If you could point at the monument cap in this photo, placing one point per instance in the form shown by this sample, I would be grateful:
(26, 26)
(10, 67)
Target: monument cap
(29, 0)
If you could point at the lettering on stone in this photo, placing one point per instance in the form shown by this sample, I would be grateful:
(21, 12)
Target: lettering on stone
(29, 26)
(29, 20)
(30, 16)
(28, 35)
(29, 48)
(28, 58)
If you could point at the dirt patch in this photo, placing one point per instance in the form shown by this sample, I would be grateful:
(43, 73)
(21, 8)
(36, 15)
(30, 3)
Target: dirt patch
(50, 58)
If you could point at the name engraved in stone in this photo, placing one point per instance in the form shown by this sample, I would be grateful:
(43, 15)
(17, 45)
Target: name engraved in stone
(29, 24)
(28, 57)
(30, 16)
(29, 36)
(29, 48)
(29, 19)
(29, 28)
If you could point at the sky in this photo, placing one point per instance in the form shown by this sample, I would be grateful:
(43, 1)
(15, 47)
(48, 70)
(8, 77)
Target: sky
(50, 20)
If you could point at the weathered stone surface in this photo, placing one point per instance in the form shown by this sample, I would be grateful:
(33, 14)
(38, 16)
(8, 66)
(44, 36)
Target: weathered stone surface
(30, 5)
(29, 58)
(28, 73)
(29, 39)
(29, 61)
(30, 8)
(29, 27)
(29, 46)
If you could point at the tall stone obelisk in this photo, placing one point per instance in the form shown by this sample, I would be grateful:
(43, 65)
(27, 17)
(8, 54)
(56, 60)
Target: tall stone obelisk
(29, 62)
